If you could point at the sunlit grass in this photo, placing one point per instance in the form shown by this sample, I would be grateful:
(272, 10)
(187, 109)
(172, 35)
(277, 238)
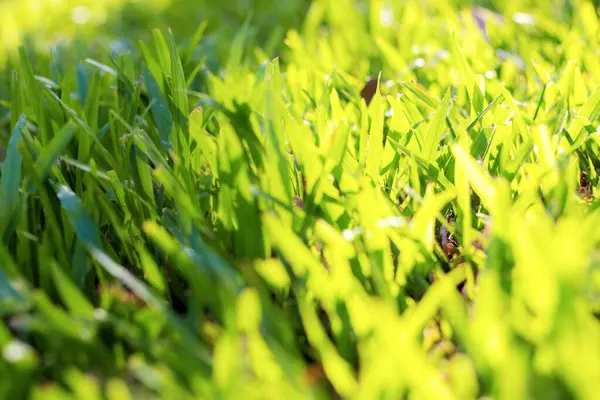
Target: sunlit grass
(262, 231)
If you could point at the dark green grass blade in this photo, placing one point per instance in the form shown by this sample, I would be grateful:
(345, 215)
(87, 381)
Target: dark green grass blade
(11, 178)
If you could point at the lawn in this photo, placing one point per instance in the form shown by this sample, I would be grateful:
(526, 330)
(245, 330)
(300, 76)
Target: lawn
(301, 199)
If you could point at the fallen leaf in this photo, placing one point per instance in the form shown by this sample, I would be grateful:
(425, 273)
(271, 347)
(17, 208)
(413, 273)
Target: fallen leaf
(369, 90)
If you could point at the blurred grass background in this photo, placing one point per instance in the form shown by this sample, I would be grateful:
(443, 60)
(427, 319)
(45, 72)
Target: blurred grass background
(49, 22)
(155, 244)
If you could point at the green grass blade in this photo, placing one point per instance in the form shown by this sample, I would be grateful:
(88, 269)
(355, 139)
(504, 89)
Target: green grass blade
(52, 152)
(436, 130)
(180, 101)
(375, 146)
(11, 177)
(75, 300)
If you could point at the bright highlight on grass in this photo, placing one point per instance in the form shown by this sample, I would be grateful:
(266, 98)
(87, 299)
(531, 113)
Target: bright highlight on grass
(360, 200)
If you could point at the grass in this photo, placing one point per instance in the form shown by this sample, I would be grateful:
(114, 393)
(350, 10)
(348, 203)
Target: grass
(255, 228)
